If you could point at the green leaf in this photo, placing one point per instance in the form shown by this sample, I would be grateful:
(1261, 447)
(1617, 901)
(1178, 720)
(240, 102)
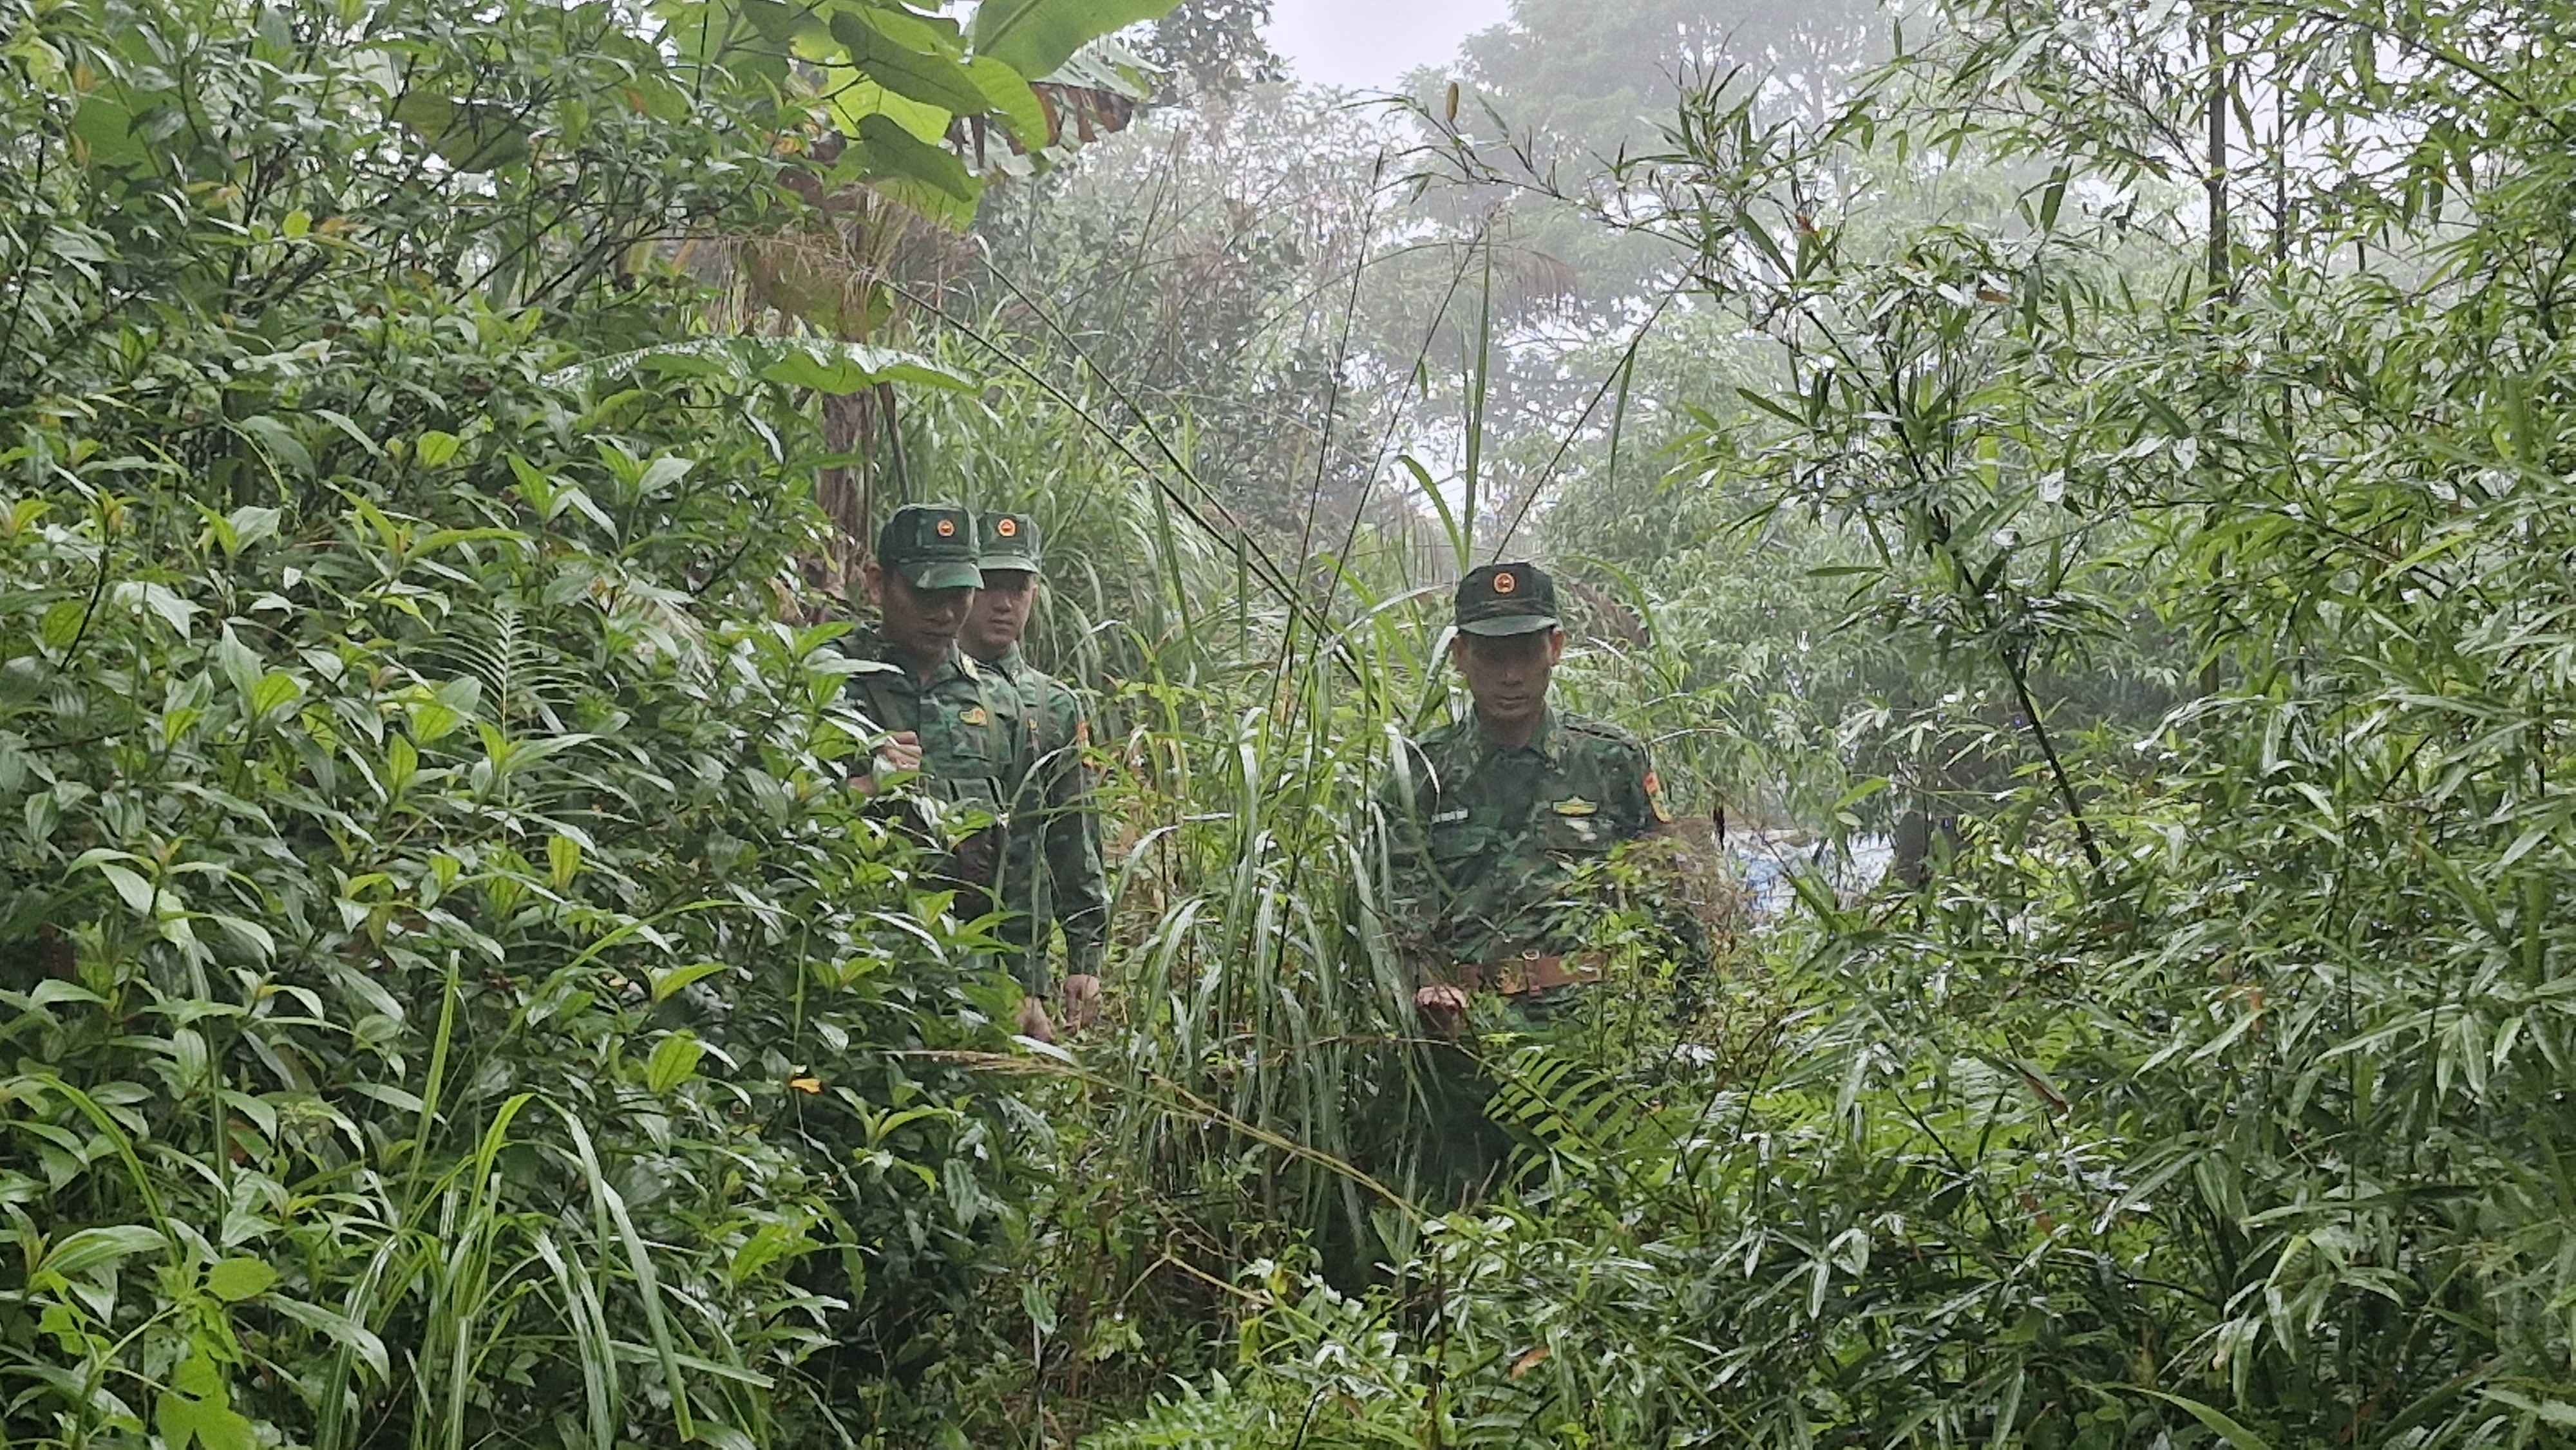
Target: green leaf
(277, 442)
(276, 690)
(855, 98)
(160, 599)
(666, 983)
(55, 989)
(130, 886)
(252, 524)
(254, 937)
(62, 623)
(903, 64)
(241, 665)
(2218, 1423)
(2052, 197)
(435, 448)
(674, 1059)
(432, 720)
(888, 152)
(1007, 93)
(439, 713)
(468, 135)
(563, 860)
(1034, 37)
(210, 1423)
(236, 1279)
(2556, 1412)
(92, 1247)
(340, 1328)
(43, 62)
(199, 1376)
(103, 130)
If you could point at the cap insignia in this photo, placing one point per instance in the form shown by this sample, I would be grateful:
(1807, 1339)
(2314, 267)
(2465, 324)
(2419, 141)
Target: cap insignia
(1008, 528)
(947, 528)
(1505, 583)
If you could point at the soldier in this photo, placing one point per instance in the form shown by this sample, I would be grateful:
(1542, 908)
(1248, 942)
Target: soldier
(1053, 873)
(1491, 817)
(960, 725)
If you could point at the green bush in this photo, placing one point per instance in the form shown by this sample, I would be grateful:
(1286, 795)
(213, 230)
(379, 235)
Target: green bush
(450, 994)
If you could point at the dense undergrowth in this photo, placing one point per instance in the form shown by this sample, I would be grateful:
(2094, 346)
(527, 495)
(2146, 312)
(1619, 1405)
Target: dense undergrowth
(451, 997)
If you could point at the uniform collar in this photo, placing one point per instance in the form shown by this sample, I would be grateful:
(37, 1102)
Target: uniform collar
(956, 664)
(1011, 662)
(1543, 744)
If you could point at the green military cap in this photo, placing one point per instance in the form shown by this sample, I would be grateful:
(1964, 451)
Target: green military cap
(1007, 541)
(1503, 599)
(932, 545)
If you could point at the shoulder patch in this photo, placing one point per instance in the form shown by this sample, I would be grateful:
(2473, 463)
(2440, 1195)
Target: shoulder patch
(1575, 805)
(1655, 797)
(975, 715)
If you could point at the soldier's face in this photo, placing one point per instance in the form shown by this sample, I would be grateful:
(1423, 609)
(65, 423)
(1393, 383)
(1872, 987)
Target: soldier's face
(1508, 674)
(922, 623)
(1000, 612)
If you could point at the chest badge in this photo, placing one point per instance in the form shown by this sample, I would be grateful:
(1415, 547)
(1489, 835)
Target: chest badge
(1575, 805)
(975, 716)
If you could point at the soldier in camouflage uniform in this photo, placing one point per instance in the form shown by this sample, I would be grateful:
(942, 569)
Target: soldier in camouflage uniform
(1052, 874)
(961, 726)
(1491, 818)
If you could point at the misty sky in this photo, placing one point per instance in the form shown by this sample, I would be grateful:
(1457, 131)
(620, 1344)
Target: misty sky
(1370, 44)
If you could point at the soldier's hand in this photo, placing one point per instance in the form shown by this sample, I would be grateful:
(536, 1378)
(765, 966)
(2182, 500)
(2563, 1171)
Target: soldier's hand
(901, 752)
(1443, 1006)
(1081, 1001)
(1033, 1020)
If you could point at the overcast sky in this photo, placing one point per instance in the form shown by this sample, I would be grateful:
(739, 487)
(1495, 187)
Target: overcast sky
(1370, 44)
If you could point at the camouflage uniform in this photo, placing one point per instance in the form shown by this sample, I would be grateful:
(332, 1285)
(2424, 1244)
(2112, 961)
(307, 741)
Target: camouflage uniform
(977, 740)
(1054, 872)
(975, 750)
(1484, 847)
(1487, 840)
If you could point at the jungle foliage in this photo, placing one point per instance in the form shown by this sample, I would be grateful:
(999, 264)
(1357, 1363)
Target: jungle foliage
(2212, 1090)
(450, 996)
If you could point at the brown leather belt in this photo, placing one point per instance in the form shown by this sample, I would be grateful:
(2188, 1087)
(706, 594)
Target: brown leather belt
(1528, 972)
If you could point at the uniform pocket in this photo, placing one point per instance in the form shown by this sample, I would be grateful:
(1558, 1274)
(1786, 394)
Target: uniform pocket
(1578, 834)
